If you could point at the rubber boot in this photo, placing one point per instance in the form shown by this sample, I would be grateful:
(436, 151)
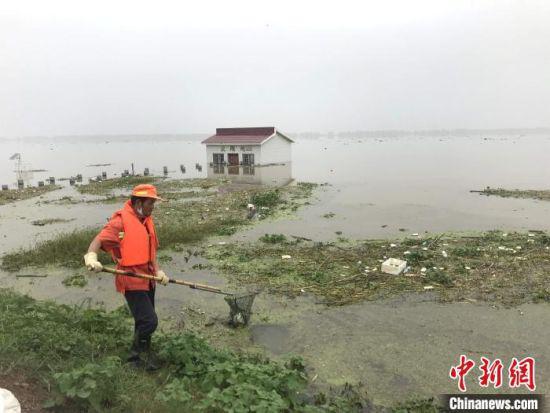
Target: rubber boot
(137, 348)
(151, 361)
(134, 349)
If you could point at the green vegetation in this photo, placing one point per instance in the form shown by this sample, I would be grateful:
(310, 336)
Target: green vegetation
(106, 186)
(543, 195)
(418, 406)
(168, 189)
(266, 199)
(64, 250)
(77, 353)
(13, 195)
(197, 183)
(493, 266)
(77, 280)
(48, 221)
(177, 225)
(273, 238)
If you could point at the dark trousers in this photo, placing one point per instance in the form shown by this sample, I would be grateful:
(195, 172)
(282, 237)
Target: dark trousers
(142, 306)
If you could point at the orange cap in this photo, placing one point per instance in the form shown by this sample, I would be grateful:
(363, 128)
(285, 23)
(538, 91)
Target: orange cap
(146, 191)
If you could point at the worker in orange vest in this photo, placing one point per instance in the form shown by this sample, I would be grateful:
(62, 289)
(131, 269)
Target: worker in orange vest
(130, 238)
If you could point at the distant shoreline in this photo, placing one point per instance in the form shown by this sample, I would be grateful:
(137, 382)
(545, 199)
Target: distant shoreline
(303, 134)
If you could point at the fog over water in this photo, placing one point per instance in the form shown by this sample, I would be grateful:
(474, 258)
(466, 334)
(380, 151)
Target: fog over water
(376, 186)
(134, 67)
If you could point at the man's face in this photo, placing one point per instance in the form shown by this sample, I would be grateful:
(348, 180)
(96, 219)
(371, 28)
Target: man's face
(145, 206)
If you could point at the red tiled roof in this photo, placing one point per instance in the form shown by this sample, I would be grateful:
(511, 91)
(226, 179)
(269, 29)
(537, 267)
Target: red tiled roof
(241, 135)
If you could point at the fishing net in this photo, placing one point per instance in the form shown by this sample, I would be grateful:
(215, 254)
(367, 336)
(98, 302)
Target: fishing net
(240, 308)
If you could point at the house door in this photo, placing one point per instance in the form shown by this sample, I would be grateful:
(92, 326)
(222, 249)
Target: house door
(233, 158)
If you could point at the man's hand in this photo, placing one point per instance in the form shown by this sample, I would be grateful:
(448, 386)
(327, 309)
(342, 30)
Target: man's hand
(163, 277)
(91, 262)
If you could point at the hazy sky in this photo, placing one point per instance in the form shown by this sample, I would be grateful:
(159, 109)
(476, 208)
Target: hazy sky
(122, 67)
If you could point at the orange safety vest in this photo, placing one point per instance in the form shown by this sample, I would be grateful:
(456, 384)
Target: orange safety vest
(138, 246)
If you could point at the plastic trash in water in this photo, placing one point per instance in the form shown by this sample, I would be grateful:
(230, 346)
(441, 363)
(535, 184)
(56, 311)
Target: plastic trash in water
(393, 266)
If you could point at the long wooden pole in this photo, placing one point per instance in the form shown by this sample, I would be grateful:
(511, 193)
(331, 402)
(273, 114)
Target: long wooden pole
(189, 284)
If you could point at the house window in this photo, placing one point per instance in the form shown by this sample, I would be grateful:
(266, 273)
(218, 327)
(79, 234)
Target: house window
(222, 148)
(248, 148)
(242, 149)
(218, 158)
(248, 159)
(232, 148)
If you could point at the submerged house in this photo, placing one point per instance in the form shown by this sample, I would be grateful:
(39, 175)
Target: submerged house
(248, 146)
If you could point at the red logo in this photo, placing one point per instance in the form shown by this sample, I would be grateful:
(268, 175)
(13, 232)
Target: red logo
(461, 371)
(492, 373)
(520, 373)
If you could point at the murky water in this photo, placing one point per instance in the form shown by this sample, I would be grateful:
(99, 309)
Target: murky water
(404, 347)
(377, 186)
(397, 348)
(380, 188)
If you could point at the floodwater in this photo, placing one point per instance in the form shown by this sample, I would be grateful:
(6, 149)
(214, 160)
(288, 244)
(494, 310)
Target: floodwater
(406, 346)
(396, 348)
(377, 186)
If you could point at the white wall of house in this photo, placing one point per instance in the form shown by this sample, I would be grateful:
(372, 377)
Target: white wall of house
(276, 150)
(274, 175)
(212, 149)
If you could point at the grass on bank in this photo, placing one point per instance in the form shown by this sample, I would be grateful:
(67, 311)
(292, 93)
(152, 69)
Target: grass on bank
(166, 187)
(77, 353)
(543, 195)
(13, 195)
(105, 187)
(510, 268)
(49, 221)
(177, 224)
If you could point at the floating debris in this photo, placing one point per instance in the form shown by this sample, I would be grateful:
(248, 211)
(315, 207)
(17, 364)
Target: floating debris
(393, 266)
(48, 221)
